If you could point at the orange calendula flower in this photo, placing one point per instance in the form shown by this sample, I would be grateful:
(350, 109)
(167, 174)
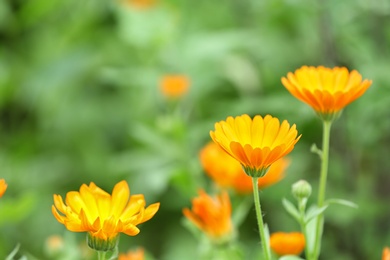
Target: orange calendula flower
(386, 253)
(212, 215)
(140, 4)
(287, 243)
(3, 187)
(102, 215)
(138, 254)
(256, 143)
(326, 90)
(228, 173)
(174, 86)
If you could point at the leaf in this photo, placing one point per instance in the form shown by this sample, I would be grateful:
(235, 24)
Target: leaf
(342, 202)
(13, 253)
(291, 209)
(311, 227)
(313, 212)
(241, 211)
(316, 150)
(290, 257)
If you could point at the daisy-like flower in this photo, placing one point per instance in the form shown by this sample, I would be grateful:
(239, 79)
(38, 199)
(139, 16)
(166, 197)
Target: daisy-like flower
(212, 215)
(256, 143)
(174, 86)
(326, 90)
(102, 215)
(228, 172)
(3, 187)
(138, 254)
(287, 243)
(386, 253)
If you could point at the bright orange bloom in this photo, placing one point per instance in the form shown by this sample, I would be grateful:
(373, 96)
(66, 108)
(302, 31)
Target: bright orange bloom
(211, 215)
(174, 86)
(326, 90)
(3, 187)
(138, 254)
(386, 253)
(287, 243)
(228, 173)
(102, 215)
(256, 143)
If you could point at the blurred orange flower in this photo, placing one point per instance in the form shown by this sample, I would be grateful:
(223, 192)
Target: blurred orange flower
(174, 86)
(228, 173)
(102, 215)
(326, 90)
(386, 253)
(3, 187)
(140, 4)
(256, 143)
(212, 215)
(138, 254)
(287, 243)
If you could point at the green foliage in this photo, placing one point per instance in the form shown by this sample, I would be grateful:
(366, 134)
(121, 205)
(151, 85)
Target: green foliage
(80, 102)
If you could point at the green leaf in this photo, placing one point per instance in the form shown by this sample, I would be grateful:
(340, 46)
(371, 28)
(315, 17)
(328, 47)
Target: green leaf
(313, 212)
(342, 202)
(241, 210)
(290, 257)
(316, 150)
(291, 209)
(13, 253)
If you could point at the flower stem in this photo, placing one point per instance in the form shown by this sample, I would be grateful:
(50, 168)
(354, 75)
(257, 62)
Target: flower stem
(302, 223)
(260, 223)
(101, 255)
(321, 192)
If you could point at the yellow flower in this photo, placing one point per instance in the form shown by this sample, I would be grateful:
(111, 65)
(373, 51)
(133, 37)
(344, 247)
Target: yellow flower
(386, 253)
(326, 90)
(287, 243)
(256, 143)
(174, 86)
(138, 254)
(212, 215)
(228, 173)
(3, 187)
(102, 215)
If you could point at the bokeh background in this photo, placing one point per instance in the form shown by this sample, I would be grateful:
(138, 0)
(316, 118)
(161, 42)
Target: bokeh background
(80, 102)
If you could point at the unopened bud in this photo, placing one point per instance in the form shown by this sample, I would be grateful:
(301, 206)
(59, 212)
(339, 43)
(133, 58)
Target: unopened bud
(301, 189)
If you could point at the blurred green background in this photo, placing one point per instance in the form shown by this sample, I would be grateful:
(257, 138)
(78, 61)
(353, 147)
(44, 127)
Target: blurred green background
(80, 102)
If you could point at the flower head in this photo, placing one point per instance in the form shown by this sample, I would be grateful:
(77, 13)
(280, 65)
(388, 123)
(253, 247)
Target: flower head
(287, 243)
(174, 86)
(102, 215)
(326, 90)
(212, 215)
(138, 254)
(256, 143)
(228, 173)
(386, 253)
(3, 187)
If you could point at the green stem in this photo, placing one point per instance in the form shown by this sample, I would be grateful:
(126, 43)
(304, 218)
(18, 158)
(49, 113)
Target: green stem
(260, 223)
(101, 255)
(322, 189)
(302, 222)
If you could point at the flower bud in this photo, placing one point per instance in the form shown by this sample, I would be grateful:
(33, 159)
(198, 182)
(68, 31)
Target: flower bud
(301, 189)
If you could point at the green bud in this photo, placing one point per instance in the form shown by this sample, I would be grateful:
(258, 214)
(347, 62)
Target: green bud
(301, 190)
